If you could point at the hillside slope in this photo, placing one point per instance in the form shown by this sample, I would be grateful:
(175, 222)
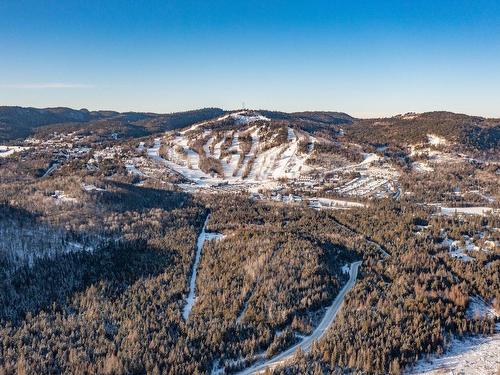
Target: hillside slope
(19, 122)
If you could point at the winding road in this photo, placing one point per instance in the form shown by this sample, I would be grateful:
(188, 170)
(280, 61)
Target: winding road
(306, 343)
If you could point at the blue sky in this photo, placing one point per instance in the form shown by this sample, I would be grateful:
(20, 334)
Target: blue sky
(367, 58)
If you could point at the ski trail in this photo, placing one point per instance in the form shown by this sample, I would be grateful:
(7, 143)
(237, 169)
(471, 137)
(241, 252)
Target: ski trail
(251, 153)
(204, 236)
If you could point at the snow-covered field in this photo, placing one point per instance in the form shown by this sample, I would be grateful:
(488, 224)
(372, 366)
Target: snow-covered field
(10, 150)
(131, 168)
(467, 210)
(436, 140)
(470, 356)
(60, 196)
(333, 203)
(422, 167)
(91, 187)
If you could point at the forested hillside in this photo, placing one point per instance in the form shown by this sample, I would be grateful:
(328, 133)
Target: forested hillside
(126, 284)
(408, 305)
(19, 122)
(208, 242)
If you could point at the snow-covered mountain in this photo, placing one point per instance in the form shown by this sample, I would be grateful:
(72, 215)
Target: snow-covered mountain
(238, 148)
(247, 150)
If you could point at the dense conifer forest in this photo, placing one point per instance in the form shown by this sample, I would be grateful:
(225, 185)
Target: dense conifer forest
(101, 237)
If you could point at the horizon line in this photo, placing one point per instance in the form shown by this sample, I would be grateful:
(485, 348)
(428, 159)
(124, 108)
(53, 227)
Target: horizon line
(364, 117)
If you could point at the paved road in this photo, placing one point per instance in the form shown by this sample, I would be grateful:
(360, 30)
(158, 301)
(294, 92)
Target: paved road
(306, 343)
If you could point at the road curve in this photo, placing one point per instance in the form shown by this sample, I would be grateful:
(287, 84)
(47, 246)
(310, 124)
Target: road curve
(306, 343)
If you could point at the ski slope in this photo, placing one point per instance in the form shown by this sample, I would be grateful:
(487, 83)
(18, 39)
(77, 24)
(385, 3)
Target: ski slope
(260, 165)
(204, 236)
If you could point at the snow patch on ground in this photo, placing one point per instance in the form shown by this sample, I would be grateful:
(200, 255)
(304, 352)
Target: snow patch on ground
(253, 151)
(479, 309)
(217, 148)
(133, 170)
(284, 161)
(230, 162)
(369, 158)
(59, 196)
(422, 167)
(471, 356)
(436, 140)
(319, 203)
(456, 250)
(91, 187)
(241, 118)
(10, 150)
(467, 210)
(206, 146)
(409, 116)
(187, 167)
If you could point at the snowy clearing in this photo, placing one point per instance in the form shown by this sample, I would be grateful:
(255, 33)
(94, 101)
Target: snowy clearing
(243, 119)
(467, 210)
(456, 250)
(333, 203)
(479, 309)
(422, 167)
(91, 187)
(471, 356)
(10, 150)
(133, 170)
(59, 196)
(436, 140)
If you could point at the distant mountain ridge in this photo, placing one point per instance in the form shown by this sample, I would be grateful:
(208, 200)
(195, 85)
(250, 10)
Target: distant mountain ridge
(474, 131)
(21, 122)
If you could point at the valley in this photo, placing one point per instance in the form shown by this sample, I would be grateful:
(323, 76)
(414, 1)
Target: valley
(222, 242)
